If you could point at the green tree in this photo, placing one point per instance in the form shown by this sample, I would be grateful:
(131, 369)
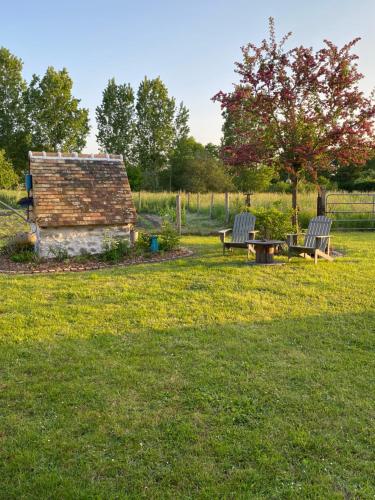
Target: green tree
(195, 169)
(213, 150)
(13, 138)
(186, 149)
(55, 120)
(8, 177)
(155, 130)
(204, 173)
(254, 180)
(181, 123)
(115, 118)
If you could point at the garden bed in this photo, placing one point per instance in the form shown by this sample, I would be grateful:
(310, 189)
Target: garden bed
(7, 266)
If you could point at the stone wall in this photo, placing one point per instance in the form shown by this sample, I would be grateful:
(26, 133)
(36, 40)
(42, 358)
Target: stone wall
(77, 240)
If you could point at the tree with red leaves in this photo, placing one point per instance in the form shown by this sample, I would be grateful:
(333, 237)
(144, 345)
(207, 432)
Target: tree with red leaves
(298, 110)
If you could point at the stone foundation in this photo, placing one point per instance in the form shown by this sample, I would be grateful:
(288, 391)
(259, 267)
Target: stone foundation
(77, 240)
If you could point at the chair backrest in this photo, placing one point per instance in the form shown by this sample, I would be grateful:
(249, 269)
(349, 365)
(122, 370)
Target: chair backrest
(318, 226)
(243, 223)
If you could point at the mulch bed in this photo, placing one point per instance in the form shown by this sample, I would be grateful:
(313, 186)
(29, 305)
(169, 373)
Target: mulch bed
(7, 266)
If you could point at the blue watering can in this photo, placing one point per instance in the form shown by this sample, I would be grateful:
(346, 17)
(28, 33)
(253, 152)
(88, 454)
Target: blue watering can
(154, 246)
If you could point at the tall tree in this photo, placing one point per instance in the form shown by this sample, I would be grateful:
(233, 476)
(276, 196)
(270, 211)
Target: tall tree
(116, 120)
(13, 138)
(299, 110)
(155, 129)
(55, 120)
(181, 122)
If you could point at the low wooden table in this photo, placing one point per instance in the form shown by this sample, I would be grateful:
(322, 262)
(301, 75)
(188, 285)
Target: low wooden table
(265, 250)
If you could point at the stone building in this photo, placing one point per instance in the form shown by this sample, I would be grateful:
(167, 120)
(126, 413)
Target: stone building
(79, 201)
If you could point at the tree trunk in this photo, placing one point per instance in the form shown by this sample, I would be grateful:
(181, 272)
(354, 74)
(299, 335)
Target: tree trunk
(294, 203)
(248, 199)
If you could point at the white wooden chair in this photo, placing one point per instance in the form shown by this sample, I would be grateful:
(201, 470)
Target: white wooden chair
(242, 231)
(316, 243)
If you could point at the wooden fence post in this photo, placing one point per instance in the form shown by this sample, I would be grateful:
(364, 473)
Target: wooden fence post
(178, 213)
(211, 205)
(227, 207)
(321, 202)
(198, 202)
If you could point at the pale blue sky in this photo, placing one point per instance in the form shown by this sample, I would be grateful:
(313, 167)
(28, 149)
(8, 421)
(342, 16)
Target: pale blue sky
(191, 45)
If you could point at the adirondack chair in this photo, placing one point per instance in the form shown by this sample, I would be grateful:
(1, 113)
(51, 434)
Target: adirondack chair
(242, 231)
(317, 240)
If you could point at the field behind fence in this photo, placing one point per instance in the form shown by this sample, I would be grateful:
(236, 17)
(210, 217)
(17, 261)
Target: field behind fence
(209, 209)
(352, 210)
(213, 204)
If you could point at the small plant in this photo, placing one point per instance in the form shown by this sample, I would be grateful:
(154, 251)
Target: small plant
(83, 257)
(59, 253)
(25, 256)
(115, 249)
(17, 243)
(169, 237)
(143, 243)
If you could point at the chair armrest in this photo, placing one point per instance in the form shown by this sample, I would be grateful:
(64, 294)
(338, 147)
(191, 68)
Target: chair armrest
(318, 239)
(222, 234)
(252, 234)
(291, 238)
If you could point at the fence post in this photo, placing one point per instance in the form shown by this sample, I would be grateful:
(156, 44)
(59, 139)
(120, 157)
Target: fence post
(178, 213)
(227, 207)
(139, 201)
(211, 205)
(248, 199)
(321, 202)
(198, 202)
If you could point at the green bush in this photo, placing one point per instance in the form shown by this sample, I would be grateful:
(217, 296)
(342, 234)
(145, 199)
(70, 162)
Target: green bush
(8, 177)
(144, 242)
(272, 223)
(59, 253)
(169, 238)
(115, 249)
(17, 243)
(25, 256)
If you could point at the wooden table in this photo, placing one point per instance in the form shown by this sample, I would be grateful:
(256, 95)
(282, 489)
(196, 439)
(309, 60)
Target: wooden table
(264, 250)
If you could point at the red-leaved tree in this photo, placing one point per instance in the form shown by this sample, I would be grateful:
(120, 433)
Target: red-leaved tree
(298, 110)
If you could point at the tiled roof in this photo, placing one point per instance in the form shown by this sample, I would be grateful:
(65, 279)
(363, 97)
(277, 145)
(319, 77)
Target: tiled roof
(80, 190)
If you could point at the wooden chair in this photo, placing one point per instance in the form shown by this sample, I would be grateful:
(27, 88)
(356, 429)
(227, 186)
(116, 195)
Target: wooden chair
(317, 240)
(242, 231)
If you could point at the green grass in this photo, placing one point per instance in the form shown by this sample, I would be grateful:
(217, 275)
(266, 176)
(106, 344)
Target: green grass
(199, 378)
(11, 197)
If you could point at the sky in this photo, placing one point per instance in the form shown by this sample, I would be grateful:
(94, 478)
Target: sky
(192, 45)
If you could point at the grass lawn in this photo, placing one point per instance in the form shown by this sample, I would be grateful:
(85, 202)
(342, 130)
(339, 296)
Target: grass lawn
(199, 378)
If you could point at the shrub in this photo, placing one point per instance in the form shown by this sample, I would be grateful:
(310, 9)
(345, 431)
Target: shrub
(59, 253)
(169, 238)
(18, 243)
(272, 223)
(144, 242)
(115, 249)
(25, 256)
(8, 177)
